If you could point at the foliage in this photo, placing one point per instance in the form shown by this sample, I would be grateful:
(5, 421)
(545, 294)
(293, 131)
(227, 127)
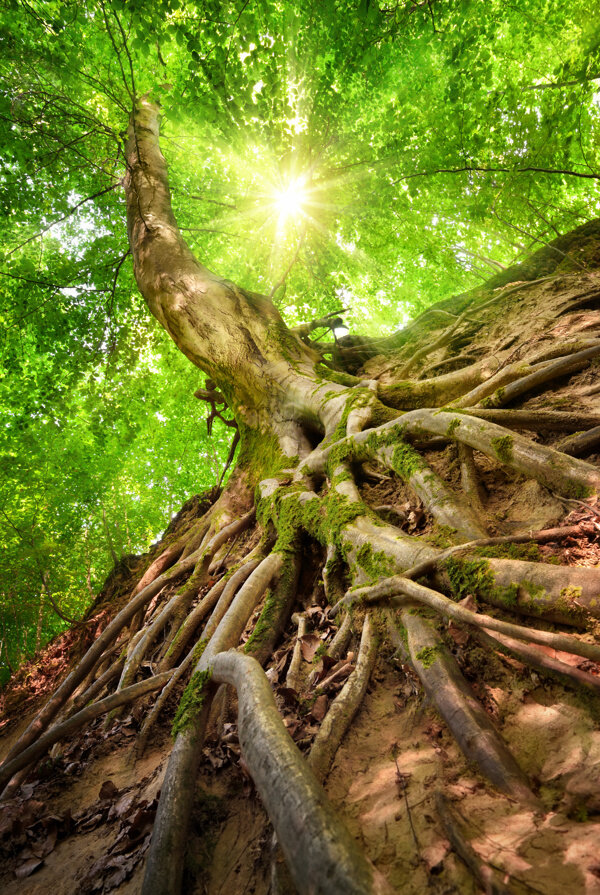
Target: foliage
(429, 144)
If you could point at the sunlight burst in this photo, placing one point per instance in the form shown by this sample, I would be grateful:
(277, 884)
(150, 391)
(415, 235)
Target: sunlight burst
(289, 201)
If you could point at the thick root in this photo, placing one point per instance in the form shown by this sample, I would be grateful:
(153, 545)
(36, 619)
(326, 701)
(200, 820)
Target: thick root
(165, 862)
(469, 724)
(319, 851)
(391, 588)
(485, 875)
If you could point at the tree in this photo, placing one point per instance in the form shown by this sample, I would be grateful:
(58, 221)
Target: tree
(320, 421)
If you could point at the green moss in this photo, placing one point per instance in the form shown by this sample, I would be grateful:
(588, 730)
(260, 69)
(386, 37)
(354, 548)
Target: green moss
(428, 655)
(261, 455)
(503, 447)
(359, 397)
(535, 591)
(264, 625)
(320, 652)
(405, 460)
(191, 702)
(529, 551)
(577, 490)
(374, 562)
(496, 399)
(336, 376)
(469, 577)
(442, 536)
(571, 593)
(568, 605)
(452, 427)
(475, 577)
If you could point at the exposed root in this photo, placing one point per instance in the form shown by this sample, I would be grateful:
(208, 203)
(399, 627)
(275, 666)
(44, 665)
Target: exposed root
(293, 678)
(96, 687)
(470, 726)
(537, 420)
(564, 366)
(165, 861)
(485, 875)
(539, 537)
(321, 855)
(445, 506)
(397, 590)
(469, 479)
(61, 731)
(552, 468)
(154, 713)
(344, 707)
(582, 444)
(536, 658)
(60, 696)
(221, 593)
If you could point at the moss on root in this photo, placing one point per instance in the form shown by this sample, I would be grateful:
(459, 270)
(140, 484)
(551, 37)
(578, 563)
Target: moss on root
(261, 455)
(428, 655)
(191, 702)
(405, 460)
(503, 448)
(336, 376)
(375, 563)
(530, 552)
(476, 578)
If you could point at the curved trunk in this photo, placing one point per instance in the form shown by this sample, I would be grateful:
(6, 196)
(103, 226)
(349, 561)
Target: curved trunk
(266, 373)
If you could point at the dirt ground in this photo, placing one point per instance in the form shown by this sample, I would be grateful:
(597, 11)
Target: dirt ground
(383, 783)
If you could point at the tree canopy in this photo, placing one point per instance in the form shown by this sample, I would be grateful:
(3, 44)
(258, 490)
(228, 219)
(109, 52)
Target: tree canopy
(361, 155)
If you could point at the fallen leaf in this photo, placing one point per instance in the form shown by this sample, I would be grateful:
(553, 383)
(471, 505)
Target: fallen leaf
(319, 709)
(29, 867)
(309, 644)
(108, 790)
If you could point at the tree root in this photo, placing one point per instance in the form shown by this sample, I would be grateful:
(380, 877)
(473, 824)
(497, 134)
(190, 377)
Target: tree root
(524, 376)
(564, 594)
(153, 714)
(164, 866)
(539, 537)
(344, 707)
(293, 679)
(62, 693)
(537, 420)
(582, 444)
(443, 504)
(564, 366)
(224, 590)
(537, 659)
(550, 467)
(397, 590)
(61, 731)
(222, 632)
(485, 875)
(469, 724)
(319, 851)
(469, 479)
(96, 687)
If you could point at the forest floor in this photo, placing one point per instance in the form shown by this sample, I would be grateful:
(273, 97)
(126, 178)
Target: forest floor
(86, 826)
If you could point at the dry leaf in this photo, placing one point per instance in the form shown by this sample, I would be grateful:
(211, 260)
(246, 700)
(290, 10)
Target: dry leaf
(309, 644)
